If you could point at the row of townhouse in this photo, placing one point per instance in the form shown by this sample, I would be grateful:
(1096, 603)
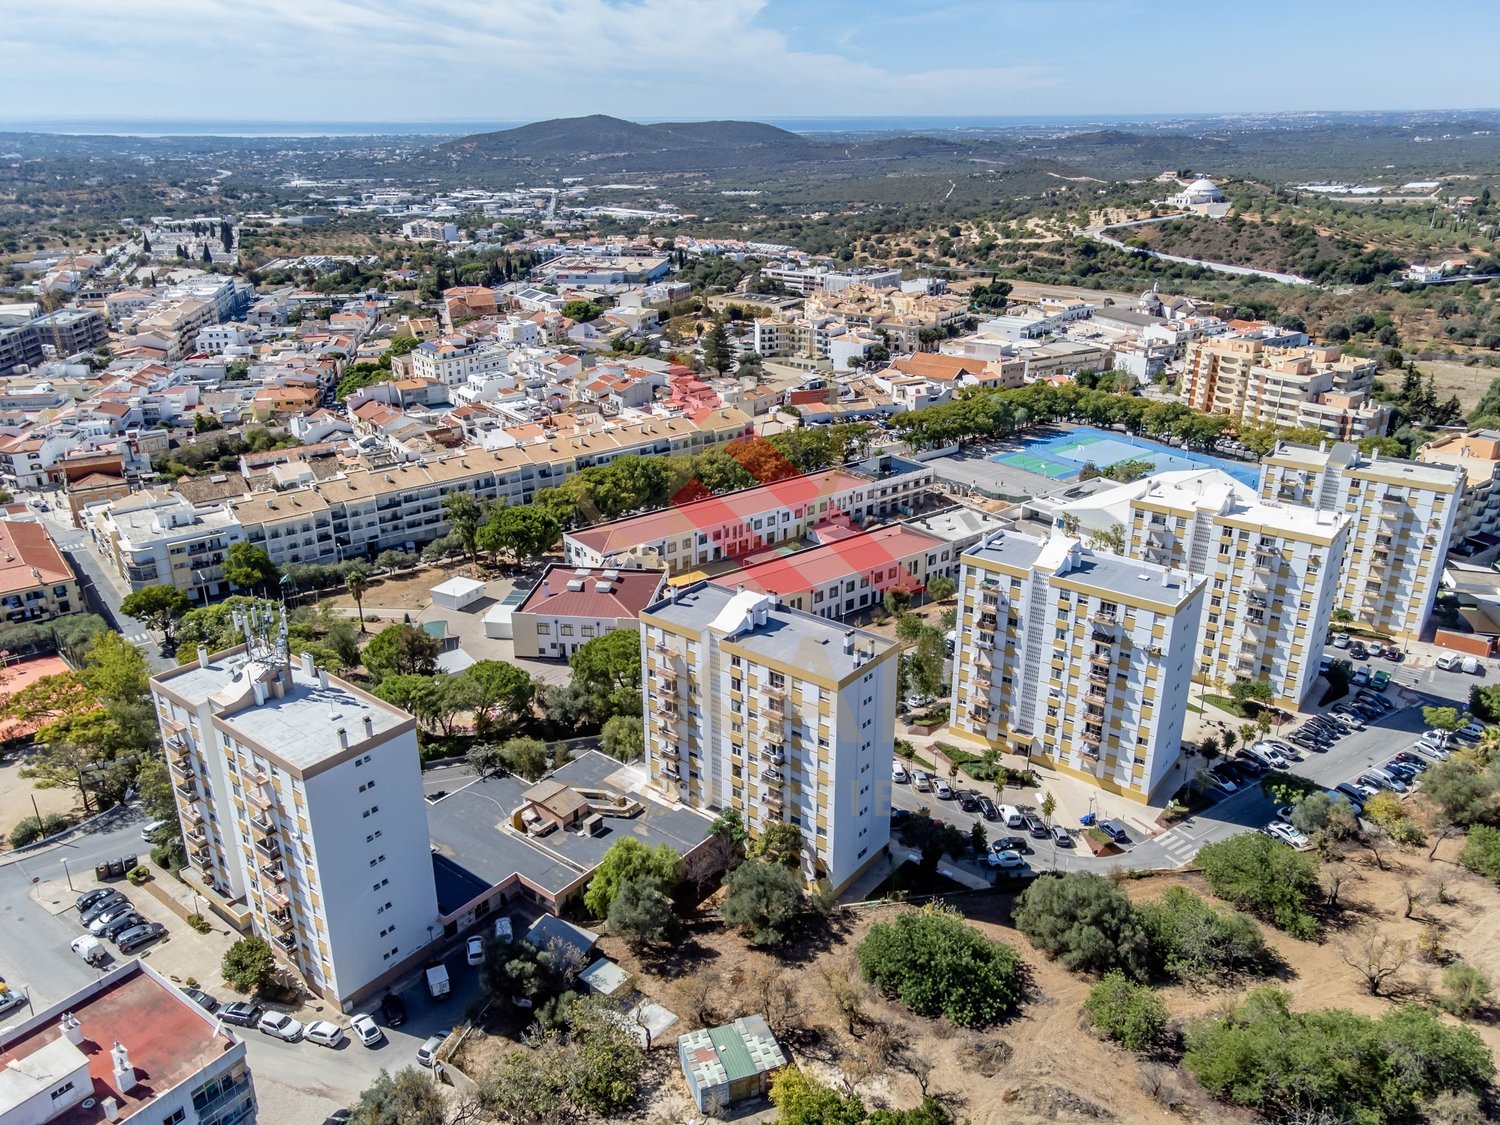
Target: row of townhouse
(155, 538)
(743, 523)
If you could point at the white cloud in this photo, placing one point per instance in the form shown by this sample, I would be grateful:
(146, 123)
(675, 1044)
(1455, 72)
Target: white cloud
(457, 59)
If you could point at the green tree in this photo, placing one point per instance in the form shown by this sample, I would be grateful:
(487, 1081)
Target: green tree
(717, 352)
(1131, 1014)
(626, 859)
(1244, 691)
(778, 842)
(623, 737)
(522, 532)
(940, 587)
(357, 581)
(607, 671)
(500, 695)
(154, 785)
(463, 515)
(1444, 718)
(581, 311)
(1084, 921)
(1461, 794)
(409, 1097)
(1266, 877)
(160, 607)
(935, 963)
(250, 568)
(402, 650)
(800, 1100)
(762, 900)
(1191, 940)
(249, 965)
(641, 911)
(524, 757)
(1482, 851)
(1465, 990)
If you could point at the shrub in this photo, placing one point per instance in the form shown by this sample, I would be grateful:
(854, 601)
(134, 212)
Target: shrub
(138, 874)
(1333, 1064)
(1084, 921)
(933, 962)
(170, 856)
(1190, 939)
(1131, 1014)
(762, 900)
(1482, 851)
(1267, 878)
(199, 923)
(628, 858)
(26, 831)
(1465, 989)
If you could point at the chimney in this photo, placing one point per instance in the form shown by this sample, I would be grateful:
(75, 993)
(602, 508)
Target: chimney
(848, 641)
(343, 738)
(124, 1072)
(111, 1109)
(72, 1030)
(203, 656)
(307, 665)
(323, 678)
(369, 727)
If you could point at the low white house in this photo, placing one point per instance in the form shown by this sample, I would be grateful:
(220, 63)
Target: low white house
(457, 593)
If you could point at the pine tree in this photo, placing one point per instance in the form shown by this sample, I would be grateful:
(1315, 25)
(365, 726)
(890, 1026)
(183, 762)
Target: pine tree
(716, 350)
(207, 254)
(145, 244)
(226, 235)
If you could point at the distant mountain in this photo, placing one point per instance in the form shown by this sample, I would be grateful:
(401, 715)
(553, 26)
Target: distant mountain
(604, 144)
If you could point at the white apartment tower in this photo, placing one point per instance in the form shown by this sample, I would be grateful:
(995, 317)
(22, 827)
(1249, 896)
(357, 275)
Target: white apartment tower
(1079, 659)
(776, 713)
(300, 798)
(1401, 513)
(1272, 571)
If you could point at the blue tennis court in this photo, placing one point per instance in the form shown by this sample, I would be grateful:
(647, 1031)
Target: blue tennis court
(1063, 456)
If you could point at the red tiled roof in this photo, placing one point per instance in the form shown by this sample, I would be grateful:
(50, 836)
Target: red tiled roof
(698, 515)
(28, 557)
(630, 593)
(874, 553)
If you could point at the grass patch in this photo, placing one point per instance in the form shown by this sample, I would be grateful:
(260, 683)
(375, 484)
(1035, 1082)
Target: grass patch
(1228, 703)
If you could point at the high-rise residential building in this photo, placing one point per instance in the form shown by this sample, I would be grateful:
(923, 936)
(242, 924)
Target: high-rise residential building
(300, 798)
(779, 714)
(1301, 388)
(1078, 658)
(1402, 515)
(127, 1047)
(1272, 572)
(1478, 454)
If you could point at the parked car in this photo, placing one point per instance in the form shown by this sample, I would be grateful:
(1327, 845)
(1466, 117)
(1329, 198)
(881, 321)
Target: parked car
(898, 773)
(1010, 844)
(1448, 662)
(365, 1029)
(1035, 828)
(987, 809)
(242, 1013)
(1361, 677)
(1436, 752)
(474, 949)
(1380, 680)
(11, 998)
(148, 833)
(1325, 663)
(281, 1026)
(1381, 780)
(138, 937)
(1005, 859)
(941, 789)
(107, 915)
(126, 921)
(102, 906)
(968, 800)
(427, 1052)
(920, 781)
(1288, 835)
(1269, 755)
(93, 898)
(1060, 836)
(1341, 640)
(324, 1033)
(1115, 831)
(1012, 816)
(1249, 763)
(1353, 794)
(393, 1008)
(1406, 757)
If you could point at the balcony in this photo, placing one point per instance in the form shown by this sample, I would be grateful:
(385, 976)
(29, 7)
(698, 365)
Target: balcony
(192, 817)
(281, 919)
(775, 692)
(1101, 660)
(254, 776)
(273, 872)
(268, 848)
(776, 755)
(1099, 675)
(1104, 619)
(201, 858)
(179, 753)
(1093, 736)
(259, 797)
(984, 643)
(773, 777)
(776, 707)
(183, 770)
(196, 836)
(286, 941)
(669, 769)
(1093, 710)
(263, 825)
(667, 683)
(276, 899)
(188, 791)
(988, 621)
(771, 797)
(980, 714)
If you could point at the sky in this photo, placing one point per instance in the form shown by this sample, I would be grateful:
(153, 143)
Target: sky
(509, 60)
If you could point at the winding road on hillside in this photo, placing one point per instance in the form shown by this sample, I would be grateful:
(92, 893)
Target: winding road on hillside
(1098, 235)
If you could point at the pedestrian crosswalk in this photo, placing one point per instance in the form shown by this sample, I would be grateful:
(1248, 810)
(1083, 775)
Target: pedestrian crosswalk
(1178, 845)
(140, 638)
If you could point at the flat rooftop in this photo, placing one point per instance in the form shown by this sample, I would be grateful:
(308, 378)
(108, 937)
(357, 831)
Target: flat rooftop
(802, 640)
(1109, 574)
(299, 729)
(476, 848)
(169, 1038)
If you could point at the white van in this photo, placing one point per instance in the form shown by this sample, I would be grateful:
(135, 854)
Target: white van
(1447, 662)
(1011, 817)
(149, 832)
(1471, 665)
(91, 949)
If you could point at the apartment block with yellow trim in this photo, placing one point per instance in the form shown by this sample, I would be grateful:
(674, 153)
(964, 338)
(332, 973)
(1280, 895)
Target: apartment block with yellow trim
(300, 801)
(1402, 516)
(1272, 571)
(1079, 658)
(777, 713)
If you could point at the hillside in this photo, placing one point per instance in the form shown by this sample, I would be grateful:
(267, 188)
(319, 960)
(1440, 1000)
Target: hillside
(1287, 247)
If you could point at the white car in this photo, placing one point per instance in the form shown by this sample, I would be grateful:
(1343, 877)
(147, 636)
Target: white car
(475, 949)
(920, 779)
(365, 1029)
(1431, 751)
(427, 1052)
(1006, 859)
(898, 773)
(280, 1025)
(323, 1032)
(1341, 640)
(1471, 665)
(1288, 835)
(941, 787)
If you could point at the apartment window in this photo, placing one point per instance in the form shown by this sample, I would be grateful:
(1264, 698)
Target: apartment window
(566, 630)
(61, 1090)
(371, 837)
(175, 1117)
(588, 631)
(543, 629)
(371, 810)
(367, 785)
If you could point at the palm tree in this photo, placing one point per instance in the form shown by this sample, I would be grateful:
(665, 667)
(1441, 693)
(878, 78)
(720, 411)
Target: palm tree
(356, 581)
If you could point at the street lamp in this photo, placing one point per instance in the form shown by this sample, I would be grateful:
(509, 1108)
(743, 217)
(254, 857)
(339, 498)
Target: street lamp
(68, 874)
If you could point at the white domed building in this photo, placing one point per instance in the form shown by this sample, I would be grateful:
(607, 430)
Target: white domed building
(1197, 194)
